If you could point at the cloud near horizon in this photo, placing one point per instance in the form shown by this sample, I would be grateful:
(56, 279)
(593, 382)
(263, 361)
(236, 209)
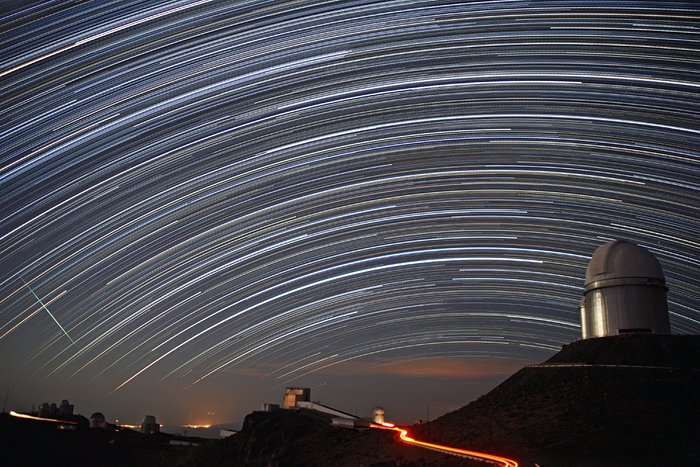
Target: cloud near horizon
(443, 367)
(424, 367)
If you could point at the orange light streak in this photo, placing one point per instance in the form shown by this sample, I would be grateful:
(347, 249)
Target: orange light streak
(131, 427)
(41, 419)
(482, 456)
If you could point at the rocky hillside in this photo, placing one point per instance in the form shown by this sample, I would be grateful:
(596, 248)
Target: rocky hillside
(611, 401)
(287, 438)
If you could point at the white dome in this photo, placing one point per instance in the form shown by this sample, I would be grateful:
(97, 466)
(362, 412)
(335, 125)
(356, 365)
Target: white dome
(625, 292)
(622, 259)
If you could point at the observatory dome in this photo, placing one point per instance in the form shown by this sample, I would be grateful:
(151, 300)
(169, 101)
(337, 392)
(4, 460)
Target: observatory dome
(621, 259)
(625, 292)
(97, 421)
(149, 425)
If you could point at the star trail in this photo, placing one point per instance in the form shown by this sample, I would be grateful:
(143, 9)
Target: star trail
(290, 188)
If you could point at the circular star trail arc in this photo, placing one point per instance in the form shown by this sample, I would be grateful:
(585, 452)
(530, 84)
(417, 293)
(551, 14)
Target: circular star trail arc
(197, 186)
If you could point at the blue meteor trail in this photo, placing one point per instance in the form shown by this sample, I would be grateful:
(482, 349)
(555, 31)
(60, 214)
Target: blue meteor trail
(47, 310)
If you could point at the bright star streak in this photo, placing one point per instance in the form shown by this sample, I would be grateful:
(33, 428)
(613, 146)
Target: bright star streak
(281, 189)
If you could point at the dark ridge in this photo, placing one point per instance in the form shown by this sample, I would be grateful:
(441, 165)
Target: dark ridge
(304, 438)
(634, 349)
(35, 443)
(646, 414)
(613, 401)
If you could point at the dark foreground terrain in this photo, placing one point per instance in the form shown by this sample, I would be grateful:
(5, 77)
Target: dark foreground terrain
(306, 438)
(277, 439)
(614, 401)
(34, 443)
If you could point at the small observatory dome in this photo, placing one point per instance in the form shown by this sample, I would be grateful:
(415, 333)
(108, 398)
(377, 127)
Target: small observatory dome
(625, 292)
(378, 415)
(97, 421)
(149, 425)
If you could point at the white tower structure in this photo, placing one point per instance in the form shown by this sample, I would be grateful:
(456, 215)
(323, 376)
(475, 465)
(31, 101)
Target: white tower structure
(625, 292)
(378, 415)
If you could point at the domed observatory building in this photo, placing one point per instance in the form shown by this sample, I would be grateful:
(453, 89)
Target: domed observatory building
(625, 292)
(97, 421)
(149, 425)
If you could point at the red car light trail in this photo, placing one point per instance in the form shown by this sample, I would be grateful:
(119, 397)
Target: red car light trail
(481, 456)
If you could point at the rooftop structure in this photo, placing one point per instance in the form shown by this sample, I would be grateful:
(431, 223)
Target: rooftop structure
(294, 395)
(268, 407)
(65, 408)
(53, 410)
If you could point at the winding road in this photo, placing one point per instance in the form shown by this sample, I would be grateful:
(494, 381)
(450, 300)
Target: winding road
(480, 456)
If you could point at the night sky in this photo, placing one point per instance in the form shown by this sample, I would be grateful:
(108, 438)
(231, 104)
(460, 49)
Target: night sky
(392, 203)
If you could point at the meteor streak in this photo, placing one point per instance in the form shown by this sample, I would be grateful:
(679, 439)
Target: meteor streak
(47, 310)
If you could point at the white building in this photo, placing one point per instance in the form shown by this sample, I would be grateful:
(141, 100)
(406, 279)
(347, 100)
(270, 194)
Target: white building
(625, 292)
